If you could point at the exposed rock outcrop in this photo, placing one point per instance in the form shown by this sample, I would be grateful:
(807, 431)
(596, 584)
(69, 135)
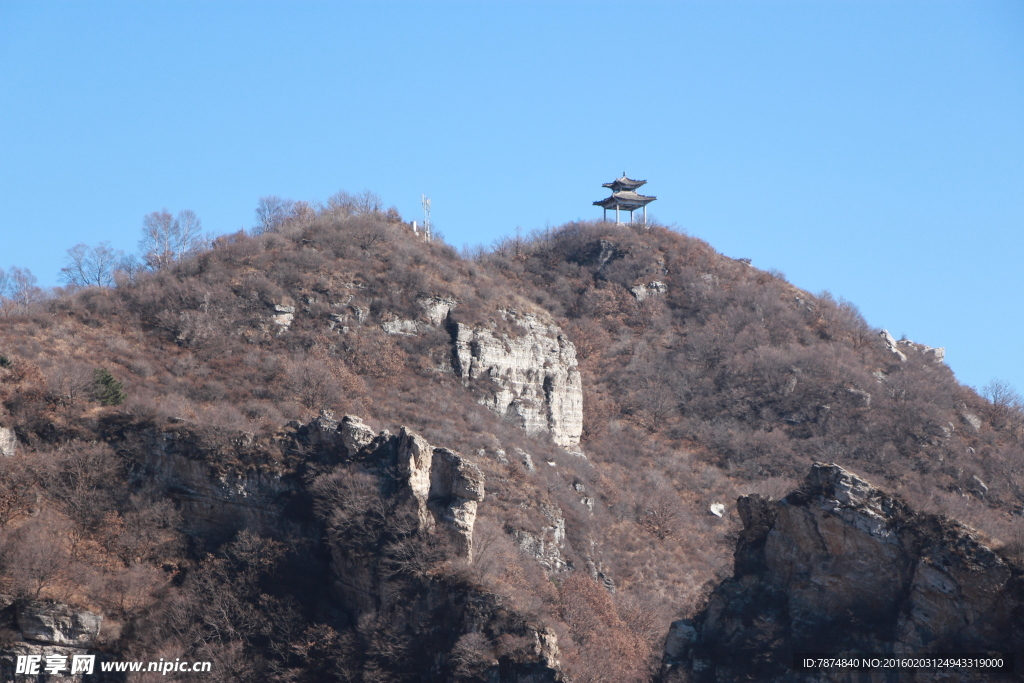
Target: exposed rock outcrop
(55, 623)
(436, 308)
(546, 545)
(840, 566)
(641, 292)
(932, 353)
(406, 327)
(445, 486)
(535, 376)
(890, 343)
(217, 476)
(8, 442)
(44, 629)
(227, 478)
(283, 316)
(971, 420)
(597, 253)
(355, 435)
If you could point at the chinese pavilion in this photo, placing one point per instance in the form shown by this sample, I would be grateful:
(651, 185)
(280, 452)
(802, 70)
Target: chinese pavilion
(624, 197)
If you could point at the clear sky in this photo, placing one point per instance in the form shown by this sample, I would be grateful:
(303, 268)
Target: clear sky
(874, 149)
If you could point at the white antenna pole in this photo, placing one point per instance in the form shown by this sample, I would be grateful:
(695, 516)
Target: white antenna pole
(426, 216)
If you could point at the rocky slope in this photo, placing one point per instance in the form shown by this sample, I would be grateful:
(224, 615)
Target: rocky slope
(842, 567)
(221, 512)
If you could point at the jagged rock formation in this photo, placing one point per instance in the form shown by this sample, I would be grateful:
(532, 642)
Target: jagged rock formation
(437, 488)
(934, 354)
(436, 308)
(536, 381)
(890, 343)
(46, 629)
(840, 566)
(445, 486)
(441, 490)
(354, 433)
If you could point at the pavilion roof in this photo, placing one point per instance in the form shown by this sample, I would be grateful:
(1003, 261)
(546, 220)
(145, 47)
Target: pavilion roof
(625, 200)
(624, 183)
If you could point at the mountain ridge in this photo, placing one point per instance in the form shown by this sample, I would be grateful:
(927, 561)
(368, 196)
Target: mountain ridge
(700, 379)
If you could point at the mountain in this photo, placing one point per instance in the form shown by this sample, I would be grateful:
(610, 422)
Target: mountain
(337, 452)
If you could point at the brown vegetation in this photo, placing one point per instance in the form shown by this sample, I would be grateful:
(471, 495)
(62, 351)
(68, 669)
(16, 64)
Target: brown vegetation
(729, 381)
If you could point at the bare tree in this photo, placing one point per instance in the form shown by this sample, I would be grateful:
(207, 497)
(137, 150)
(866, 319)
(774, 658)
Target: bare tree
(69, 382)
(34, 556)
(91, 266)
(128, 268)
(17, 290)
(344, 203)
(271, 212)
(167, 239)
(17, 483)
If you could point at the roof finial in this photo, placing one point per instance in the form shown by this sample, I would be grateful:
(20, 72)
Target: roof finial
(623, 174)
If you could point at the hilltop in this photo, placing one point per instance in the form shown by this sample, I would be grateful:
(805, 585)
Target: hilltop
(522, 489)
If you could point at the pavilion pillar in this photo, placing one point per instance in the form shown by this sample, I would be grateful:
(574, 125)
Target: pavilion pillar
(645, 215)
(616, 214)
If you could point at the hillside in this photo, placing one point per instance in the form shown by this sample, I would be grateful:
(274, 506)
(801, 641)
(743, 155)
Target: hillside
(522, 490)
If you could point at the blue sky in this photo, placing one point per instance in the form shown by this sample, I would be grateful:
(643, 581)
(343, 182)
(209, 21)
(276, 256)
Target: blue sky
(874, 149)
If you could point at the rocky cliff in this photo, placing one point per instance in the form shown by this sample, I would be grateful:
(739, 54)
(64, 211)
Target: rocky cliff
(53, 631)
(535, 376)
(395, 507)
(839, 566)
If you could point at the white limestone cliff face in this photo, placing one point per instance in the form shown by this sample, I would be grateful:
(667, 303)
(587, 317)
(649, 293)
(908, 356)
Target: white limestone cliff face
(535, 376)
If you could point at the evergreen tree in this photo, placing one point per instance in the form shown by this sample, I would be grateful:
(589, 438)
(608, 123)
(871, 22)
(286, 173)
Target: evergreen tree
(107, 390)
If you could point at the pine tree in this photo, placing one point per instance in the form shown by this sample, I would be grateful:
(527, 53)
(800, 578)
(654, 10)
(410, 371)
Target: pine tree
(107, 390)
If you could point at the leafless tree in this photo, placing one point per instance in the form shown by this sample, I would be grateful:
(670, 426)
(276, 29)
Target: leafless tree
(91, 266)
(34, 557)
(167, 239)
(67, 383)
(271, 212)
(128, 268)
(16, 489)
(355, 204)
(17, 290)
